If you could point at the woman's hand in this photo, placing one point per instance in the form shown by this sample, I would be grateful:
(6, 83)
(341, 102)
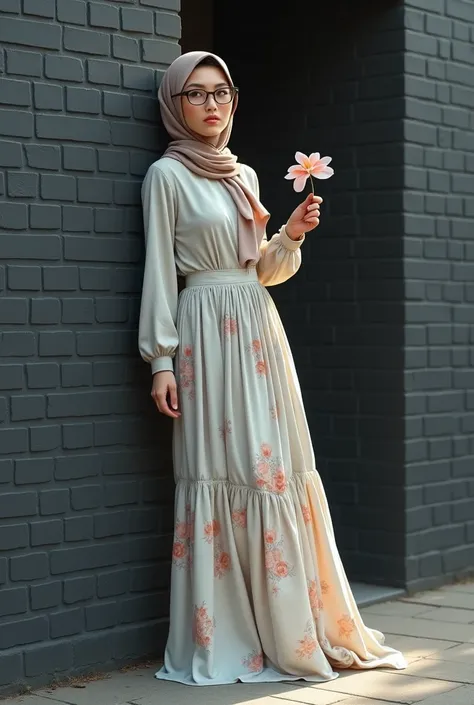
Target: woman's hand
(165, 393)
(305, 217)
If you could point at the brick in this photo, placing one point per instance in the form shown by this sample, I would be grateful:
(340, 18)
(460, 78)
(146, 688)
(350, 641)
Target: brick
(103, 72)
(78, 528)
(27, 407)
(12, 6)
(14, 92)
(130, 135)
(76, 374)
(25, 631)
(83, 100)
(65, 68)
(54, 501)
(93, 649)
(24, 63)
(168, 25)
(460, 9)
(48, 97)
(33, 470)
(138, 77)
(78, 311)
(45, 311)
(79, 589)
(62, 278)
(110, 310)
(77, 467)
(163, 4)
(134, 20)
(11, 376)
(77, 129)
(109, 220)
(72, 11)
(95, 278)
(14, 216)
(102, 616)
(48, 659)
(45, 595)
(102, 15)
(94, 190)
(16, 123)
(22, 184)
(125, 48)
(45, 157)
(113, 161)
(11, 668)
(30, 33)
(66, 623)
(79, 158)
(29, 567)
(13, 536)
(6, 471)
(127, 192)
(13, 311)
(110, 524)
(10, 154)
(55, 343)
(78, 219)
(14, 344)
(57, 187)
(44, 217)
(40, 8)
(86, 497)
(14, 601)
(117, 104)
(86, 41)
(44, 533)
(157, 51)
(86, 557)
(44, 438)
(113, 583)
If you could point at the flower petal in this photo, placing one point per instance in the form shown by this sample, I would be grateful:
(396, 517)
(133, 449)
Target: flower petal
(301, 158)
(290, 176)
(300, 183)
(298, 170)
(326, 160)
(326, 173)
(314, 157)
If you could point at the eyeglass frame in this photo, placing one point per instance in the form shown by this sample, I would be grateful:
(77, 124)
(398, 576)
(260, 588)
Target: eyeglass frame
(234, 90)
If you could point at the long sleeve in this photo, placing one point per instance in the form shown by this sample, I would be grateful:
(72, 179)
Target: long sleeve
(280, 257)
(157, 334)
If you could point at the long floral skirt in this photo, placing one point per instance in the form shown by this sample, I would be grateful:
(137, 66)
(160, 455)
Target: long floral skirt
(258, 591)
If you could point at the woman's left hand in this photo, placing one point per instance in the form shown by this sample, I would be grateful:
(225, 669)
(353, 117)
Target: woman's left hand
(305, 217)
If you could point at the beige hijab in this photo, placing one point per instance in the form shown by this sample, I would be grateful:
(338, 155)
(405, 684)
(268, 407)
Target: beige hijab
(207, 160)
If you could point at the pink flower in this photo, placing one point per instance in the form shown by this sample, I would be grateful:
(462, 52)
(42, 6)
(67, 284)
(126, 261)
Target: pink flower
(309, 167)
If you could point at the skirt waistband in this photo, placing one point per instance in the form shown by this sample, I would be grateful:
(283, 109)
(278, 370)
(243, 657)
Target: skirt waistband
(222, 276)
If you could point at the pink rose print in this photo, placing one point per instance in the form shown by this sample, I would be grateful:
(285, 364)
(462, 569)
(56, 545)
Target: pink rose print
(275, 411)
(221, 564)
(314, 599)
(306, 514)
(254, 661)
(222, 561)
(203, 627)
(260, 365)
(307, 645)
(269, 471)
(186, 371)
(230, 326)
(226, 429)
(211, 529)
(346, 625)
(183, 539)
(276, 566)
(324, 587)
(239, 518)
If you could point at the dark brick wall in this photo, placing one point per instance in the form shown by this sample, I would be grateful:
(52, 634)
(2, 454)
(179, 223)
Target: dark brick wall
(439, 289)
(85, 473)
(342, 95)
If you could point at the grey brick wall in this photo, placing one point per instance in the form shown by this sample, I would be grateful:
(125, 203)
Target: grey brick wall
(439, 288)
(85, 476)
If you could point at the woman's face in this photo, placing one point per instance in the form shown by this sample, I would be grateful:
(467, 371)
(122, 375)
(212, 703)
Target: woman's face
(211, 118)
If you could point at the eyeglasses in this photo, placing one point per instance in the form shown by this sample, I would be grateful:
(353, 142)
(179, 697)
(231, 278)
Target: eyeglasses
(198, 96)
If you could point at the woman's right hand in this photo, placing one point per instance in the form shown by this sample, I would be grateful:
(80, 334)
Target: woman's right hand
(165, 393)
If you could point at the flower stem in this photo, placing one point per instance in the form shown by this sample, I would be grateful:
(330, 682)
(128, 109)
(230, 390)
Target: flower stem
(312, 185)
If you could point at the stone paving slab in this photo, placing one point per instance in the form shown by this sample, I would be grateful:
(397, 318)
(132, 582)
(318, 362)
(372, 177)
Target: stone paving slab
(393, 686)
(462, 653)
(443, 598)
(449, 614)
(413, 626)
(441, 670)
(396, 609)
(414, 648)
(464, 695)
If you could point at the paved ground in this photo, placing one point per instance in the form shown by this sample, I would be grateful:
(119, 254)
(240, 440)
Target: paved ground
(435, 630)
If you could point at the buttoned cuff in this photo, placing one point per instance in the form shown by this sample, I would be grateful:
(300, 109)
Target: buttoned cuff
(162, 364)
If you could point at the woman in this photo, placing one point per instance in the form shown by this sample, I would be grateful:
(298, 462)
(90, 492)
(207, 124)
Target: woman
(258, 591)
